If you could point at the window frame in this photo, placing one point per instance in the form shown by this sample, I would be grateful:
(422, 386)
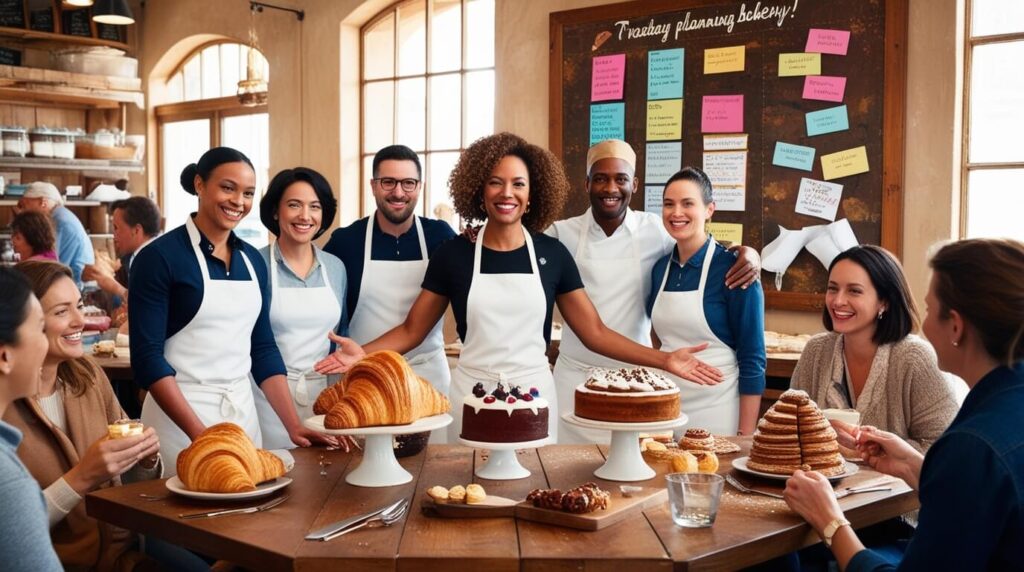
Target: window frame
(966, 165)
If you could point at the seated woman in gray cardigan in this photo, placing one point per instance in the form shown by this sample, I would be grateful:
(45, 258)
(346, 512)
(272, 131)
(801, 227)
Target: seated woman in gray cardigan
(868, 360)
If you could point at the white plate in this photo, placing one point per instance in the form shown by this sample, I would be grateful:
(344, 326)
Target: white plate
(611, 426)
(740, 464)
(316, 423)
(504, 446)
(175, 485)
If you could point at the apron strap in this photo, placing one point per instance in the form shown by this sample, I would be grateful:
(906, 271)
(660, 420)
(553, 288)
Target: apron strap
(477, 250)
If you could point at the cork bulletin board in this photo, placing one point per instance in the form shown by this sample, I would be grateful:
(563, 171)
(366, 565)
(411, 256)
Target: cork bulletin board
(783, 100)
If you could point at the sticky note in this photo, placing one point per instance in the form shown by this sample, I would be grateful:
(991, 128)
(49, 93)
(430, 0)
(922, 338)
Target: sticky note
(731, 232)
(721, 114)
(662, 160)
(818, 198)
(730, 198)
(726, 168)
(824, 87)
(665, 74)
(664, 120)
(725, 60)
(607, 121)
(725, 142)
(828, 41)
(799, 64)
(608, 77)
(827, 121)
(844, 163)
(653, 199)
(793, 156)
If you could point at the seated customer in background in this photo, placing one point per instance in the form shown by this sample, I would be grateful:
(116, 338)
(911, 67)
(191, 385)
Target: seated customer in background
(33, 236)
(869, 360)
(971, 481)
(73, 245)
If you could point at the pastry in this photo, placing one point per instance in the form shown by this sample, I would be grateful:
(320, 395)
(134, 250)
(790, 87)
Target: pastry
(697, 439)
(438, 493)
(457, 494)
(792, 435)
(707, 461)
(475, 494)
(684, 462)
(125, 428)
(626, 396)
(582, 499)
(505, 415)
(222, 459)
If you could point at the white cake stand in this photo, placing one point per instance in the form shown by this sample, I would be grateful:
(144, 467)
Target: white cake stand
(625, 463)
(502, 464)
(379, 467)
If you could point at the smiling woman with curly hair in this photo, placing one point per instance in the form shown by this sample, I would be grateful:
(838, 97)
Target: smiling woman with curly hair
(503, 286)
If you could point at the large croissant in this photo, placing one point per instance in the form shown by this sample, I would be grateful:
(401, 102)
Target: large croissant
(380, 389)
(222, 459)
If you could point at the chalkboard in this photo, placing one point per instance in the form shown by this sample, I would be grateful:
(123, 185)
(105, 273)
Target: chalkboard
(76, 22)
(111, 32)
(12, 13)
(9, 57)
(771, 109)
(42, 19)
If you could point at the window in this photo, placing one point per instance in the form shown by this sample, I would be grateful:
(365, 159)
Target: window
(428, 83)
(207, 114)
(993, 173)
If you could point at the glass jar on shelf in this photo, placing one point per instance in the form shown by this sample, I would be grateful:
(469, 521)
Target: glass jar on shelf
(15, 141)
(63, 144)
(42, 142)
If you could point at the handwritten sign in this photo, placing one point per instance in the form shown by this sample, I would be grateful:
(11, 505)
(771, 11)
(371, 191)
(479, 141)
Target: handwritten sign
(728, 173)
(608, 77)
(665, 74)
(730, 232)
(725, 142)
(653, 199)
(793, 156)
(799, 64)
(607, 121)
(845, 163)
(722, 114)
(827, 121)
(664, 120)
(824, 87)
(725, 60)
(12, 13)
(730, 198)
(662, 161)
(818, 198)
(828, 41)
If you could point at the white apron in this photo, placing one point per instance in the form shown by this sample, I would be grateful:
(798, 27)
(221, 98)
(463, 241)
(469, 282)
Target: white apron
(679, 321)
(211, 358)
(300, 318)
(504, 337)
(615, 286)
(387, 291)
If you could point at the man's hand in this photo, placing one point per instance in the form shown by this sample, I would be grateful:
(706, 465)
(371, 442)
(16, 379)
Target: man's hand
(746, 270)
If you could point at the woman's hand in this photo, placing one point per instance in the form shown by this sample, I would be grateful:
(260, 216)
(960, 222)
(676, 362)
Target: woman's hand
(890, 454)
(746, 270)
(347, 354)
(810, 495)
(108, 458)
(683, 364)
(304, 437)
(846, 433)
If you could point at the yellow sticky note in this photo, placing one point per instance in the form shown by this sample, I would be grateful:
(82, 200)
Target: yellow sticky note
(799, 64)
(665, 120)
(726, 231)
(844, 163)
(725, 60)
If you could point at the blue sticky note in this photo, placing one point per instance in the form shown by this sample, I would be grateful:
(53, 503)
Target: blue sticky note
(793, 156)
(607, 121)
(827, 121)
(665, 74)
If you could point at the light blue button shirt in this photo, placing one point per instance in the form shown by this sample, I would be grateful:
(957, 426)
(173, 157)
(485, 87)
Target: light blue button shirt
(334, 267)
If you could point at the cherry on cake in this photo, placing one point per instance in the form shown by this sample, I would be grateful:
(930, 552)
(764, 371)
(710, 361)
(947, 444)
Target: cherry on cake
(509, 415)
(627, 396)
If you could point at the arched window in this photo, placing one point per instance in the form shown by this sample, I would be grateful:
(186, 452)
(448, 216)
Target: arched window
(428, 83)
(206, 113)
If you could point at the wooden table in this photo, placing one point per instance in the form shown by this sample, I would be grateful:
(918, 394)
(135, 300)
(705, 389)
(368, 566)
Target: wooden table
(749, 529)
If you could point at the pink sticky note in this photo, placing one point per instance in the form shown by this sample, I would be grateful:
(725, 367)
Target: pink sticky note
(824, 87)
(722, 114)
(828, 41)
(608, 77)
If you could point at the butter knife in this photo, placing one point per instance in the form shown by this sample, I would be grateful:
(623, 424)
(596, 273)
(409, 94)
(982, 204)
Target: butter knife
(248, 510)
(321, 533)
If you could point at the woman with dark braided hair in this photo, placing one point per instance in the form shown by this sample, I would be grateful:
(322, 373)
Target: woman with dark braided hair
(503, 288)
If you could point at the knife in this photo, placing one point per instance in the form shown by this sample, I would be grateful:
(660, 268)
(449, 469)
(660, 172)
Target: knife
(249, 510)
(319, 534)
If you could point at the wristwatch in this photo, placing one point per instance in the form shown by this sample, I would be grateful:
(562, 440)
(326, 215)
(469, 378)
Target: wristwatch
(831, 530)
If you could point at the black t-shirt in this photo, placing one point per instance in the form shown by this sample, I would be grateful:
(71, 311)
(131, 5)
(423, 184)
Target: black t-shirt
(450, 272)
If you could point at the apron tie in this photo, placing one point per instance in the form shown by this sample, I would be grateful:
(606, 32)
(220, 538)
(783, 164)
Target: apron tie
(301, 380)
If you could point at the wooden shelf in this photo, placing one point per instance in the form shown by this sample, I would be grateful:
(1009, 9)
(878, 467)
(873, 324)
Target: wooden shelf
(34, 37)
(96, 165)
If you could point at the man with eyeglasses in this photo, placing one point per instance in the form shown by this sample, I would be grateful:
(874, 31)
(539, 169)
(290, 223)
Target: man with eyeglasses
(386, 256)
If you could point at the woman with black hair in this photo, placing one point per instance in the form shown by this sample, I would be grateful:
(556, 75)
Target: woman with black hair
(307, 290)
(201, 318)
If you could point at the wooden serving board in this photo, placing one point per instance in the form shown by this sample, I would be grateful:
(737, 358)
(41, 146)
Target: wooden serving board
(619, 507)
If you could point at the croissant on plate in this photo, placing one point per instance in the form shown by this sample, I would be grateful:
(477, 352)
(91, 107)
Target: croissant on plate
(380, 389)
(222, 459)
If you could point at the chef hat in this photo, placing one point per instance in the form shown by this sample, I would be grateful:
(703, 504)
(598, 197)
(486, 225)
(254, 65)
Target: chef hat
(43, 190)
(611, 149)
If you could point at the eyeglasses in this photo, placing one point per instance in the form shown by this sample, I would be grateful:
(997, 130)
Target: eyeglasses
(389, 184)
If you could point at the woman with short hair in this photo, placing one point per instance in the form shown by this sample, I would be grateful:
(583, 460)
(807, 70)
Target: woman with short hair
(33, 236)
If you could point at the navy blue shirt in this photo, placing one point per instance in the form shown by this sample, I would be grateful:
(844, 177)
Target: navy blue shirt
(972, 486)
(166, 290)
(349, 243)
(735, 316)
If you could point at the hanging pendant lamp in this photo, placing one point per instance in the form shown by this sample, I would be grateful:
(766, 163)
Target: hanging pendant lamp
(252, 90)
(112, 12)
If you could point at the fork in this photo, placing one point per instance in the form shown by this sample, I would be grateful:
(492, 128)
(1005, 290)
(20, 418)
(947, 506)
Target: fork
(248, 510)
(385, 519)
(745, 489)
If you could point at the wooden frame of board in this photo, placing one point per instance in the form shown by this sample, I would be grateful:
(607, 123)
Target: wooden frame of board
(891, 138)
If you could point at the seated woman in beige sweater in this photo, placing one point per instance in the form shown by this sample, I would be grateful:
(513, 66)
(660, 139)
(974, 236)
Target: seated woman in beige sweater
(869, 360)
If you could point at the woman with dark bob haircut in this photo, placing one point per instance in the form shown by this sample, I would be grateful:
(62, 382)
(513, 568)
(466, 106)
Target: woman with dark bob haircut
(869, 360)
(503, 287)
(971, 482)
(33, 236)
(307, 290)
